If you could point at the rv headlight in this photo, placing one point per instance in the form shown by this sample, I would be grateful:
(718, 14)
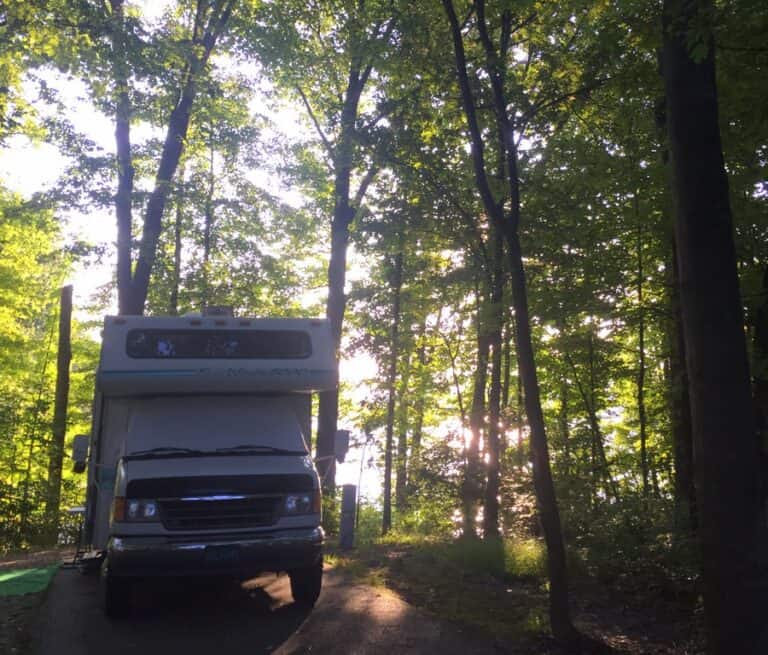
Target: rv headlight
(296, 504)
(134, 509)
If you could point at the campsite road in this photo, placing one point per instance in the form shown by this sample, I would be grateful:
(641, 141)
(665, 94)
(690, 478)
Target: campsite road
(349, 619)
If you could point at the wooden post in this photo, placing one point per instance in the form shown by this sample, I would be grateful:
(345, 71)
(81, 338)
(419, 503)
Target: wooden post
(348, 507)
(56, 451)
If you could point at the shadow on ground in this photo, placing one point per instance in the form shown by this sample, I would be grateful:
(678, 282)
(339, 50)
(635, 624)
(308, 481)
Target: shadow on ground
(193, 619)
(178, 617)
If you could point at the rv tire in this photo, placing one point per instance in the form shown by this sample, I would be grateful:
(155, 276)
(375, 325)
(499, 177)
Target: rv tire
(306, 584)
(116, 596)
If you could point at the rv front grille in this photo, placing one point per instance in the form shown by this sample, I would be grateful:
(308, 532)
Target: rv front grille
(213, 513)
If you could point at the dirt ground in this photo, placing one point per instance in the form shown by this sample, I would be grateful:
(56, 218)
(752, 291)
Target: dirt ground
(515, 612)
(351, 617)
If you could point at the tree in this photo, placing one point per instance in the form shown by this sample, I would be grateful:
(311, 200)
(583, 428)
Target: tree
(56, 456)
(507, 223)
(32, 268)
(209, 22)
(730, 476)
(325, 56)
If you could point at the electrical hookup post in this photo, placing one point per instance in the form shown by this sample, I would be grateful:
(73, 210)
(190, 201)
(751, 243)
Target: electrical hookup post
(348, 507)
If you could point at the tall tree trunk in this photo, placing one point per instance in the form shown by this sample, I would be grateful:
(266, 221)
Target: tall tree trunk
(470, 489)
(564, 427)
(396, 283)
(760, 355)
(205, 299)
(401, 426)
(173, 302)
(641, 355)
(728, 458)
(493, 449)
(611, 491)
(508, 224)
(685, 519)
(417, 429)
(599, 462)
(204, 38)
(125, 170)
(560, 619)
(522, 454)
(56, 450)
(506, 376)
(343, 216)
(682, 431)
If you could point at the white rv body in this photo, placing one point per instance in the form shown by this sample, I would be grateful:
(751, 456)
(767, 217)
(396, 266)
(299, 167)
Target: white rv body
(200, 430)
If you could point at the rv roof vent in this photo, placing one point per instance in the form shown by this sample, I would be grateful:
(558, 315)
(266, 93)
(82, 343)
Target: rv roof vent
(219, 310)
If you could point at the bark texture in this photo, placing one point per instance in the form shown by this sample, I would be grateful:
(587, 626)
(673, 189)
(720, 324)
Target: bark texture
(56, 452)
(729, 480)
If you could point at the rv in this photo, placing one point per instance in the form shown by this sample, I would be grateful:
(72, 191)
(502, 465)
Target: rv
(197, 460)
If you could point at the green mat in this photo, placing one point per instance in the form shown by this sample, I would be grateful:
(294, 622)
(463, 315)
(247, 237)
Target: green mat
(25, 581)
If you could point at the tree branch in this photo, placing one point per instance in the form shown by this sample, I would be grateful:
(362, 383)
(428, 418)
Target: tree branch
(326, 143)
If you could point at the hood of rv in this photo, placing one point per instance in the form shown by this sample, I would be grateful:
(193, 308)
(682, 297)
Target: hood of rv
(214, 474)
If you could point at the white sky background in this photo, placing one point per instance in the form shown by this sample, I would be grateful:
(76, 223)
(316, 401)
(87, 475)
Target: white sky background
(28, 167)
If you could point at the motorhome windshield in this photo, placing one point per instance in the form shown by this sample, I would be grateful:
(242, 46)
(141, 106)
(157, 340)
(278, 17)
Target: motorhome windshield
(218, 344)
(189, 426)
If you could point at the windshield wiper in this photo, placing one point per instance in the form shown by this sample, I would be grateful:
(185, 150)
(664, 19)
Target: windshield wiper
(248, 449)
(167, 451)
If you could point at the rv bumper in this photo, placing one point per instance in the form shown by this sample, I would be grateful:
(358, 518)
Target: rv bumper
(235, 555)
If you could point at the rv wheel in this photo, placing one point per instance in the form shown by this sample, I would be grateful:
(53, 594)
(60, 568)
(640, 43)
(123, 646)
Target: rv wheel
(116, 595)
(306, 584)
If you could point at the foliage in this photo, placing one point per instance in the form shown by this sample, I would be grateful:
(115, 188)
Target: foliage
(32, 268)
(246, 224)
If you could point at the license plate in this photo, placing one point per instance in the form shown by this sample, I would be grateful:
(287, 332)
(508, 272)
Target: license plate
(222, 554)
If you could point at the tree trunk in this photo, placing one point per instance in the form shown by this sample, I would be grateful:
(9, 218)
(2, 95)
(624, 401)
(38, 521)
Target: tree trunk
(173, 303)
(125, 171)
(522, 454)
(728, 458)
(343, 215)
(557, 568)
(422, 376)
(564, 426)
(401, 426)
(508, 224)
(203, 41)
(56, 451)
(680, 412)
(641, 356)
(599, 462)
(760, 356)
(470, 488)
(493, 450)
(396, 284)
(205, 299)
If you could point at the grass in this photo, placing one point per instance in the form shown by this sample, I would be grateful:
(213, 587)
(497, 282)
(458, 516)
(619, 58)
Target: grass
(17, 582)
(497, 588)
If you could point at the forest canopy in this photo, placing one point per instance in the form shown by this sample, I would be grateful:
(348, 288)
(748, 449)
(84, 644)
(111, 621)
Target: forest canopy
(484, 198)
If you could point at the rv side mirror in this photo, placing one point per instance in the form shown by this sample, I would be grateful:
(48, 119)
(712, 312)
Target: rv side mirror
(80, 452)
(341, 445)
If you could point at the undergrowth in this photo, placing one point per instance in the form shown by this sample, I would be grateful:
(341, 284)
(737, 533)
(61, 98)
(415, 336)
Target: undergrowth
(497, 587)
